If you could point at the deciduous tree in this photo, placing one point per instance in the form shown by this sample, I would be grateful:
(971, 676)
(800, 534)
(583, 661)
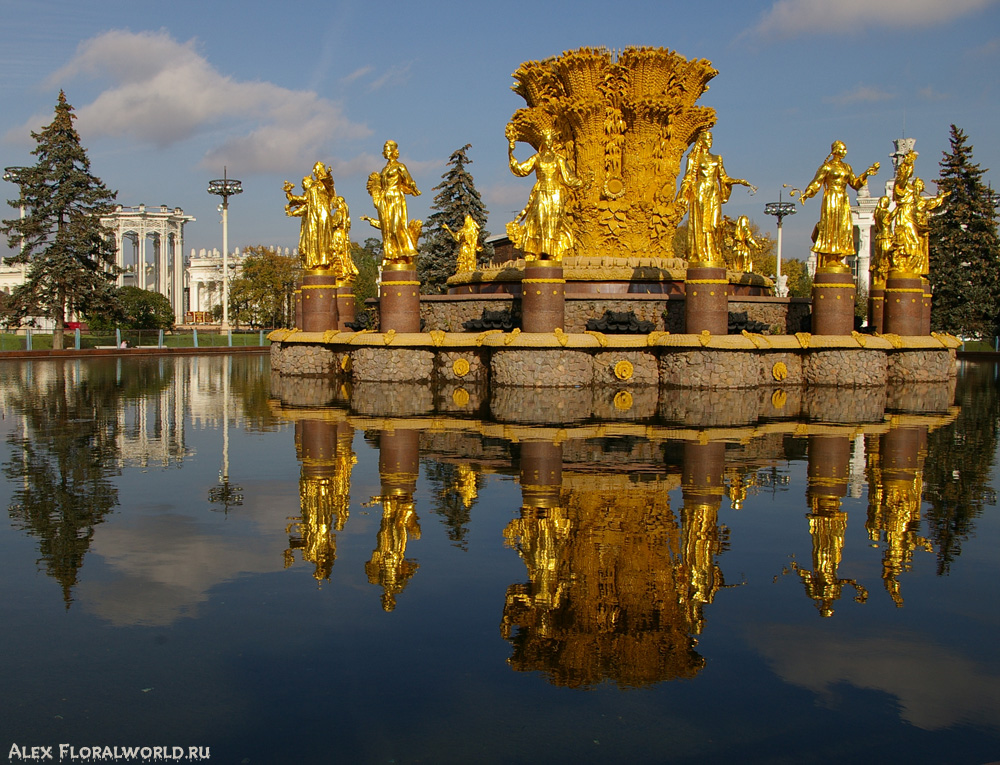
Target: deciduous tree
(263, 294)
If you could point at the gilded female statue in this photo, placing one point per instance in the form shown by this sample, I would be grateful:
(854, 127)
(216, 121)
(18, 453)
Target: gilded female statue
(882, 251)
(388, 189)
(541, 230)
(913, 229)
(313, 205)
(833, 236)
(704, 188)
(468, 244)
(744, 245)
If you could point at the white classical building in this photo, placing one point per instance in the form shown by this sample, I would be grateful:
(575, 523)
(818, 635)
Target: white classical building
(204, 278)
(149, 242)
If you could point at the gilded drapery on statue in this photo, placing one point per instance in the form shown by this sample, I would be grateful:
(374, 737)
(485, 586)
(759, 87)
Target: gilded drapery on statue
(704, 188)
(541, 230)
(910, 249)
(388, 190)
(744, 246)
(833, 237)
(882, 249)
(468, 244)
(324, 234)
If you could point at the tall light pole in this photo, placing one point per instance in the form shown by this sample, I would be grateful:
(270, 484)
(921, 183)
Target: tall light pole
(780, 210)
(13, 174)
(225, 187)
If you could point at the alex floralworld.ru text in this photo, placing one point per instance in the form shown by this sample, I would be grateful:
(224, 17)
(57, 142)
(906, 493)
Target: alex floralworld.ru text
(68, 753)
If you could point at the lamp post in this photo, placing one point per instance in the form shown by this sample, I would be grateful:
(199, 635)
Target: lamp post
(780, 210)
(13, 174)
(225, 187)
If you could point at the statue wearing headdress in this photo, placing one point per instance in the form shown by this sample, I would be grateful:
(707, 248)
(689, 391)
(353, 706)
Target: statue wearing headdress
(388, 190)
(541, 230)
(833, 237)
(704, 188)
(468, 244)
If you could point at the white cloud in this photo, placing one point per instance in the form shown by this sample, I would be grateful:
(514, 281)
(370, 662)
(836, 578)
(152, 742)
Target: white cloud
(936, 687)
(163, 92)
(355, 75)
(790, 18)
(862, 94)
(396, 75)
(930, 94)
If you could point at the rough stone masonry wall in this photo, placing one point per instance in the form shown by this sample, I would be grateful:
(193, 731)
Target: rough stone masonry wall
(848, 368)
(449, 313)
(304, 360)
(921, 366)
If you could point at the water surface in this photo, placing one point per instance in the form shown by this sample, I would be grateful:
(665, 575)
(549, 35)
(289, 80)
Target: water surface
(299, 572)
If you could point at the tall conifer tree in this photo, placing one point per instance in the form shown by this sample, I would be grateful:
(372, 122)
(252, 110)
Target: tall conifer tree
(964, 248)
(70, 254)
(456, 198)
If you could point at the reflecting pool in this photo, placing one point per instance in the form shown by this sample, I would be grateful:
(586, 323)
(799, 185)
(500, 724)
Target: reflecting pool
(281, 571)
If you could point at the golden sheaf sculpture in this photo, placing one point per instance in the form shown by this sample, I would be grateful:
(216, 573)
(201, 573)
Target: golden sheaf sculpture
(609, 131)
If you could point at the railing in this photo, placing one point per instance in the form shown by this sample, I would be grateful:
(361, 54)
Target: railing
(36, 340)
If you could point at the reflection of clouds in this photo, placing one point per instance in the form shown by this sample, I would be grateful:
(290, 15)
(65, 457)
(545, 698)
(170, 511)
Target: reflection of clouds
(936, 687)
(164, 565)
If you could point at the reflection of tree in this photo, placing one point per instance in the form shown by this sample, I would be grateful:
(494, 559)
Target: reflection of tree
(957, 469)
(62, 460)
(455, 490)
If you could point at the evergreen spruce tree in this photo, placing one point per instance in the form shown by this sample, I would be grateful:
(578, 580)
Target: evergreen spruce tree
(456, 198)
(70, 254)
(964, 248)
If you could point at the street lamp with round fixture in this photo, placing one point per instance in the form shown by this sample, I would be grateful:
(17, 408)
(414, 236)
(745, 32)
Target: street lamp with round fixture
(225, 187)
(780, 210)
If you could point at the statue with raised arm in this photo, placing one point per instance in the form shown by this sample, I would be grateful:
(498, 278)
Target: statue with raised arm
(468, 244)
(320, 221)
(924, 205)
(704, 188)
(833, 237)
(541, 230)
(388, 190)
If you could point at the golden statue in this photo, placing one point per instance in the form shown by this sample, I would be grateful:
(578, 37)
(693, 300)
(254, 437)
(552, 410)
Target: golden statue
(833, 236)
(388, 190)
(468, 244)
(923, 208)
(743, 246)
(541, 230)
(324, 241)
(882, 251)
(704, 189)
(622, 120)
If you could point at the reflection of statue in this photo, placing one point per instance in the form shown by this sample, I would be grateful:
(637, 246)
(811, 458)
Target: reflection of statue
(389, 566)
(541, 230)
(703, 190)
(827, 527)
(468, 243)
(882, 251)
(325, 222)
(388, 190)
(833, 236)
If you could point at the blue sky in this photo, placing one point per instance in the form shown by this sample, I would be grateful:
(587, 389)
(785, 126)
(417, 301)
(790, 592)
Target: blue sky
(168, 93)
